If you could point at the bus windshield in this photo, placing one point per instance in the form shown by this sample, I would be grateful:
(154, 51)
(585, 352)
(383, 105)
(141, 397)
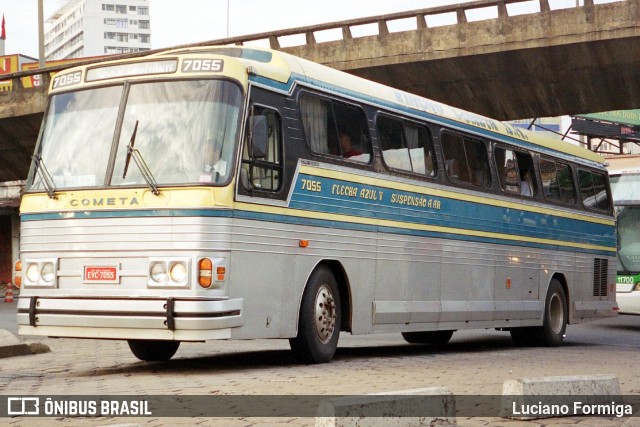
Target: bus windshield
(185, 131)
(627, 201)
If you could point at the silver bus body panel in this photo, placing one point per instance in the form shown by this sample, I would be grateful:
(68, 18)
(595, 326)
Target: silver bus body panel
(397, 282)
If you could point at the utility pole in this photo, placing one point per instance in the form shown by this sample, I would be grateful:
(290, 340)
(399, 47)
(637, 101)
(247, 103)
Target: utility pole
(227, 18)
(40, 34)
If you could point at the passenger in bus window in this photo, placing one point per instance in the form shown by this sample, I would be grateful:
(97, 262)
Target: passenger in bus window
(511, 177)
(525, 185)
(347, 146)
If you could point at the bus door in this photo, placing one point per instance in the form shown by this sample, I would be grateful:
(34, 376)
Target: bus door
(262, 169)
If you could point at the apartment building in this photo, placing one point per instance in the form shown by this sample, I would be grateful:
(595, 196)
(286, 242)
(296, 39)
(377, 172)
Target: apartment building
(82, 28)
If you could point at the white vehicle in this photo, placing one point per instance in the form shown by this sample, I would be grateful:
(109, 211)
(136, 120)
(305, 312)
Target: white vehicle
(624, 173)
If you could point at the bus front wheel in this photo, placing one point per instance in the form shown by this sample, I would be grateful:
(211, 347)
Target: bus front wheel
(319, 319)
(153, 350)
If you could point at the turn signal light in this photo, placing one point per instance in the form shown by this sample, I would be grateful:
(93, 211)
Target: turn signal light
(220, 272)
(18, 277)
(205, 272)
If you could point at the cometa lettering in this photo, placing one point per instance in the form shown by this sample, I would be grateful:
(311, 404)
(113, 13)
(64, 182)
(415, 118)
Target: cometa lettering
(104, 202)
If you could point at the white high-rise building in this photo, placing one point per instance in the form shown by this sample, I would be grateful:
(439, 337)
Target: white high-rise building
(82, 28)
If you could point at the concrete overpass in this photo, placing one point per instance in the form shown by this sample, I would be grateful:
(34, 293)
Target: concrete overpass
(511, 66)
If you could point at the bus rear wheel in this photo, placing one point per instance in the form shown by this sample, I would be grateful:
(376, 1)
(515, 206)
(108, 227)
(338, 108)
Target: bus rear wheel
(319, 319)
(554, 325)
(153, 350)
(428, 337)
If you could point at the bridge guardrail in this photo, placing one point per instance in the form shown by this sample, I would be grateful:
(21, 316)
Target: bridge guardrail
(309, 32)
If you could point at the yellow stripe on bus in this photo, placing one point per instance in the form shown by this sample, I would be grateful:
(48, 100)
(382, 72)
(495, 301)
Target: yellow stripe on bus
(274, 210)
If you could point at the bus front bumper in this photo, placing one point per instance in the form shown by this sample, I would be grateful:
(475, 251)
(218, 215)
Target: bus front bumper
(129, 318)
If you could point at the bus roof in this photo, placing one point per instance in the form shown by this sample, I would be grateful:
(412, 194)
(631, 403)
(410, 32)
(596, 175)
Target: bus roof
(618, 165)
(285, 70)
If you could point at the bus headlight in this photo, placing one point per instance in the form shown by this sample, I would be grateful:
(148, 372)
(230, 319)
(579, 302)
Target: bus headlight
(158, 272)
(33, 273)
(169, 272)
(48, 272)
(40, 273)
(178, 272)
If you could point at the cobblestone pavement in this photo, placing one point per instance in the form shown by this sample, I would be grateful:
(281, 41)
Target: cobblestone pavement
(476, 366)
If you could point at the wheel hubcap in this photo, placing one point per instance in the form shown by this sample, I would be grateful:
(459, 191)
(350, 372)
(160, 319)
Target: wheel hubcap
(325, 314)
(556, 314)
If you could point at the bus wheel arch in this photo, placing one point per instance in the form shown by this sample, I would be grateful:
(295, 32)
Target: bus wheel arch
(555, 317)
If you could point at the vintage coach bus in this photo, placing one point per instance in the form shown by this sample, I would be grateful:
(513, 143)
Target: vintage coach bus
(236, 193)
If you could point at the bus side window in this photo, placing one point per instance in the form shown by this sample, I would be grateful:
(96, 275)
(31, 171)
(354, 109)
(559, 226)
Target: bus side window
(557, 182)
(528, 186)
(335, 128)
(466, 160)
(264, 173)
(507, 165)
(406, 146)
(593, 190)
(515, 172)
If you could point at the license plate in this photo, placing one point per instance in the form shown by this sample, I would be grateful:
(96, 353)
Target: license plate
(101, 274)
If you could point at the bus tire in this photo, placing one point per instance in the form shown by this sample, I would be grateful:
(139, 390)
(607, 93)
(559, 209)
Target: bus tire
(428, 337)
(554, 325)
(153, 350)
(319, 319)
(556, 314)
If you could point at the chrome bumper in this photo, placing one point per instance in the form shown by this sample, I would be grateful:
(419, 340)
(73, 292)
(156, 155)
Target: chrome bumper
(129, 318)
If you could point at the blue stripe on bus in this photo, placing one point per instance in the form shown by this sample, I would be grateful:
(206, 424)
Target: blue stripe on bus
(444, 212)
(301, 220)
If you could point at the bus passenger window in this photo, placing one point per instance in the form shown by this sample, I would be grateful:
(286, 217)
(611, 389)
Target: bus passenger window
(466, 160)
(593, 190)
(406, 146)
(515, 172)
(557, 182)
(264, 173)
(528, 186)
(335, 128)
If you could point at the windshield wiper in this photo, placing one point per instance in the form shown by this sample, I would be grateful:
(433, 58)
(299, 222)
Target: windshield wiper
(139, 161)
(47, 180)
(132, 141)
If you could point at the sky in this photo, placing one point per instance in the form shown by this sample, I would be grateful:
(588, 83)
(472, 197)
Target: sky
(201, 20)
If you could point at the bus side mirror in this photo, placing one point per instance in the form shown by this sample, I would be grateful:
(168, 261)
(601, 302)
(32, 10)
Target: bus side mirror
(259, 136)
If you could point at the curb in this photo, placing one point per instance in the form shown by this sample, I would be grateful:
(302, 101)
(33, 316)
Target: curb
(391, 408)
(10, 346)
